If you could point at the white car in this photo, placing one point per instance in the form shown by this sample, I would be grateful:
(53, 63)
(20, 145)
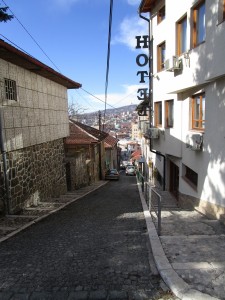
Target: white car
(130, 170)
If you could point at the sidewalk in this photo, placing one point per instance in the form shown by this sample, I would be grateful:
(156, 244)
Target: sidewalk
(12, 224)
(189, 253)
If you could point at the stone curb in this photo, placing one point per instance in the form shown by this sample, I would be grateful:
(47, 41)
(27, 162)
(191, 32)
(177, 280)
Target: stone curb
(176, 284)
(49, 213)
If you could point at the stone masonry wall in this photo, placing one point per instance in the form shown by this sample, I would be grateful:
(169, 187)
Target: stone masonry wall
(35, 173)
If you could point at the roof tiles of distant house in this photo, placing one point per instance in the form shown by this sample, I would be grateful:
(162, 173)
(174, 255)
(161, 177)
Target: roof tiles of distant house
(81, 134)
(79, 137)
(100, 135)
(110, 142)
(23, 60)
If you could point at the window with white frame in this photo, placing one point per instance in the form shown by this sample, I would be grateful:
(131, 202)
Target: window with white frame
(10, 89)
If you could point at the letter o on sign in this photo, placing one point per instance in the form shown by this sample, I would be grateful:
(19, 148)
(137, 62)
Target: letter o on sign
(141, 57)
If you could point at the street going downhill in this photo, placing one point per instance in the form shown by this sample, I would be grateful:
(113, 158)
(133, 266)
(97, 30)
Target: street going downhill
(95, 248)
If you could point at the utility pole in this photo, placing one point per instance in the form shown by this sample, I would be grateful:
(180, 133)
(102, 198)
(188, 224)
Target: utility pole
(100, 150)
(99, 120)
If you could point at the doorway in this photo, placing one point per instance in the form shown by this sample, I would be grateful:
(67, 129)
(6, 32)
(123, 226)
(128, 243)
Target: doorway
(174, 179)
(68, 177)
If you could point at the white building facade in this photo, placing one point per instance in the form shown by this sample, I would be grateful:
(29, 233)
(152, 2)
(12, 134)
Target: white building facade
(188, 99)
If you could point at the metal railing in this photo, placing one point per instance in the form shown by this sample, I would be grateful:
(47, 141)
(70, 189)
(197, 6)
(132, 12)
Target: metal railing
(152, 198)
(155, 205)
(141, 179)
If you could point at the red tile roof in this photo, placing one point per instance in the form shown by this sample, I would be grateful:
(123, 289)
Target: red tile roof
(81, 134)
(79, 137)
(110, 142)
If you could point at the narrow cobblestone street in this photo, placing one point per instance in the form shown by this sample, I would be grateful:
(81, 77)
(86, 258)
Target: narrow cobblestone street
(95, 248)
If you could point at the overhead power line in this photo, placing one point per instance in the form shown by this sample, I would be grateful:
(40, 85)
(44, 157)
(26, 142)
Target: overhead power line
(31, 36)
(96, 97)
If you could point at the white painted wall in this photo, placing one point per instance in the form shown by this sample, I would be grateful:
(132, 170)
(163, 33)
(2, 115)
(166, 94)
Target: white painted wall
(206, 64)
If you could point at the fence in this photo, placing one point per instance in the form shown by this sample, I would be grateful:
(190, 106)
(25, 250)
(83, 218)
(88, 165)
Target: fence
(155, 205)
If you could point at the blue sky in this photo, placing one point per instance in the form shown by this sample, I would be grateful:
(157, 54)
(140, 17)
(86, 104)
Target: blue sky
(74, 35)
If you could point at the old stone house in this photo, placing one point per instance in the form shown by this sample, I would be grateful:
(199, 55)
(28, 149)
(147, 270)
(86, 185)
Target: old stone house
(111, 151)
(85, 155)
(34, 121)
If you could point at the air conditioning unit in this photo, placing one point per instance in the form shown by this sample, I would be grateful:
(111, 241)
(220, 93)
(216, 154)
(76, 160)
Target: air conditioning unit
(194, 141)
(172, 64)
(153, 133)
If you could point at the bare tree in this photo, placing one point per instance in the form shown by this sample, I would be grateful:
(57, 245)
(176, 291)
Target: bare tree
(75, 110)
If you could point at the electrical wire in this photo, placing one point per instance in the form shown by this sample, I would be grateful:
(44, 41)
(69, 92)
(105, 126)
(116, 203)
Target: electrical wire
(31, 36)
(96, 97)
(108, 56)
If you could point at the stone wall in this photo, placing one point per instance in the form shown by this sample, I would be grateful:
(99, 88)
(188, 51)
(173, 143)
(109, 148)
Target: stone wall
(80, 171)
(35, 174)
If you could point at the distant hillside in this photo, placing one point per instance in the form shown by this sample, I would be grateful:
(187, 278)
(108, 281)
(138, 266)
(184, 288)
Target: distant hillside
(127, 108)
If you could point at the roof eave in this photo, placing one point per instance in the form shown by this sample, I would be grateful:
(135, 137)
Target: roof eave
(146, 6)
(21, 59)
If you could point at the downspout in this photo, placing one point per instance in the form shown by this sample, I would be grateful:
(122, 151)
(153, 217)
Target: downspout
(4, 161)
(150, 52)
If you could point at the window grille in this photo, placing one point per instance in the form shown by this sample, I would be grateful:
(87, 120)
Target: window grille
(10, 89)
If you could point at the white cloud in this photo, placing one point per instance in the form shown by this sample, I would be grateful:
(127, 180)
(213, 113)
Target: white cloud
(133, 2)
(126, 97)
(66, 4)
(129, 29)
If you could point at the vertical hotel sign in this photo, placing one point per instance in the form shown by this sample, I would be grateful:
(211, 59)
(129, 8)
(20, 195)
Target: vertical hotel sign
(142, 60)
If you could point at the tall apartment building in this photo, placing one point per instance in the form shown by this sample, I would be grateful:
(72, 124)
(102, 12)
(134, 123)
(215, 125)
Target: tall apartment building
(187, 97)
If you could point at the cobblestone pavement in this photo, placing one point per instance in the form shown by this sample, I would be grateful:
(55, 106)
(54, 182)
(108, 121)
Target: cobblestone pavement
(94, 248)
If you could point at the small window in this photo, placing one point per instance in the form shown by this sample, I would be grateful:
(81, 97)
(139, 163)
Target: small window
(161, 51)
(169, 113)
(198, 111)
(10, 89)
(191, 176)
(158, 113)
(161, 14)
(182, 36)
(198, 25)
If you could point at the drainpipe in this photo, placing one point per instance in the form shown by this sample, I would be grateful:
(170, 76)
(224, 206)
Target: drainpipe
(4, 161)
(150, 52)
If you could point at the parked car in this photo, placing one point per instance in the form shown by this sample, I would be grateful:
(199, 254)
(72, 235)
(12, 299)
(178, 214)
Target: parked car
(130, 170)
(112, 174)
